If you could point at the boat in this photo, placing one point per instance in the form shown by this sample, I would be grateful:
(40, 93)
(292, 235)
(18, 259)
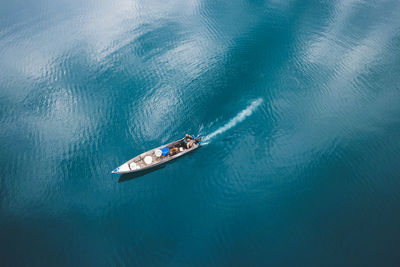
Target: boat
(157, 156)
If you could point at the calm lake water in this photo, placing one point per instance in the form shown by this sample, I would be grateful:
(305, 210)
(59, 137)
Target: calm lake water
(298, 101)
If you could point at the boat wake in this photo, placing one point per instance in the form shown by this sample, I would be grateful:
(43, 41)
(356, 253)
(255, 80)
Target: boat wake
(234, 121)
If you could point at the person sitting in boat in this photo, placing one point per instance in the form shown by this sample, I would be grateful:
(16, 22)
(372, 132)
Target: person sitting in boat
(188, 141)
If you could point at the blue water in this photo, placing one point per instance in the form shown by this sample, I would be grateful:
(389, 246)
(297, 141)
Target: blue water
(298, 103)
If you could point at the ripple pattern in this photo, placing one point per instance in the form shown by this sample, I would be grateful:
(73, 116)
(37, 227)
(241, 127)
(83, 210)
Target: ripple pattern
(298, 103)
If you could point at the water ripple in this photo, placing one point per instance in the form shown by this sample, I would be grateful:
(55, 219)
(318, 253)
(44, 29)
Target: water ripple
(298, 103)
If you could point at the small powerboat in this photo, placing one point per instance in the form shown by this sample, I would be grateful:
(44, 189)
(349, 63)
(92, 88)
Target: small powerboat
(159, 155)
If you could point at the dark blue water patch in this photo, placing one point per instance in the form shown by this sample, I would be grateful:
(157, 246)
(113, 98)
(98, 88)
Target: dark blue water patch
(297, 103)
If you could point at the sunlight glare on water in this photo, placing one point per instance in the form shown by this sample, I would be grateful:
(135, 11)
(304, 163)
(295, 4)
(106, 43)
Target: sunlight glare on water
(297, 101)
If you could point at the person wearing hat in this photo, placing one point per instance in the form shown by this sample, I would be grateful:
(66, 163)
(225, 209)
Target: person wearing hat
(188, 141)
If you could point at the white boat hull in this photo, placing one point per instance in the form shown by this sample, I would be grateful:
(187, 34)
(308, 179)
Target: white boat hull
(141, 163)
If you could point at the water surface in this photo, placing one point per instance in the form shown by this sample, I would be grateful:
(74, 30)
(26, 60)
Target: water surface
(298, 102)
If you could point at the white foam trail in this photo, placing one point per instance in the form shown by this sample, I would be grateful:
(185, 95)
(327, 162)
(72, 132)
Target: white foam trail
(234, 121)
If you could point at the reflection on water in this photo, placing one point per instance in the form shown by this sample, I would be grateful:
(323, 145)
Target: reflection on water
(297, 101)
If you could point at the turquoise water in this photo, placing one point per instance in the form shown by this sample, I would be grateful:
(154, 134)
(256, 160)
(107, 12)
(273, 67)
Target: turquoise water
(298, 102)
